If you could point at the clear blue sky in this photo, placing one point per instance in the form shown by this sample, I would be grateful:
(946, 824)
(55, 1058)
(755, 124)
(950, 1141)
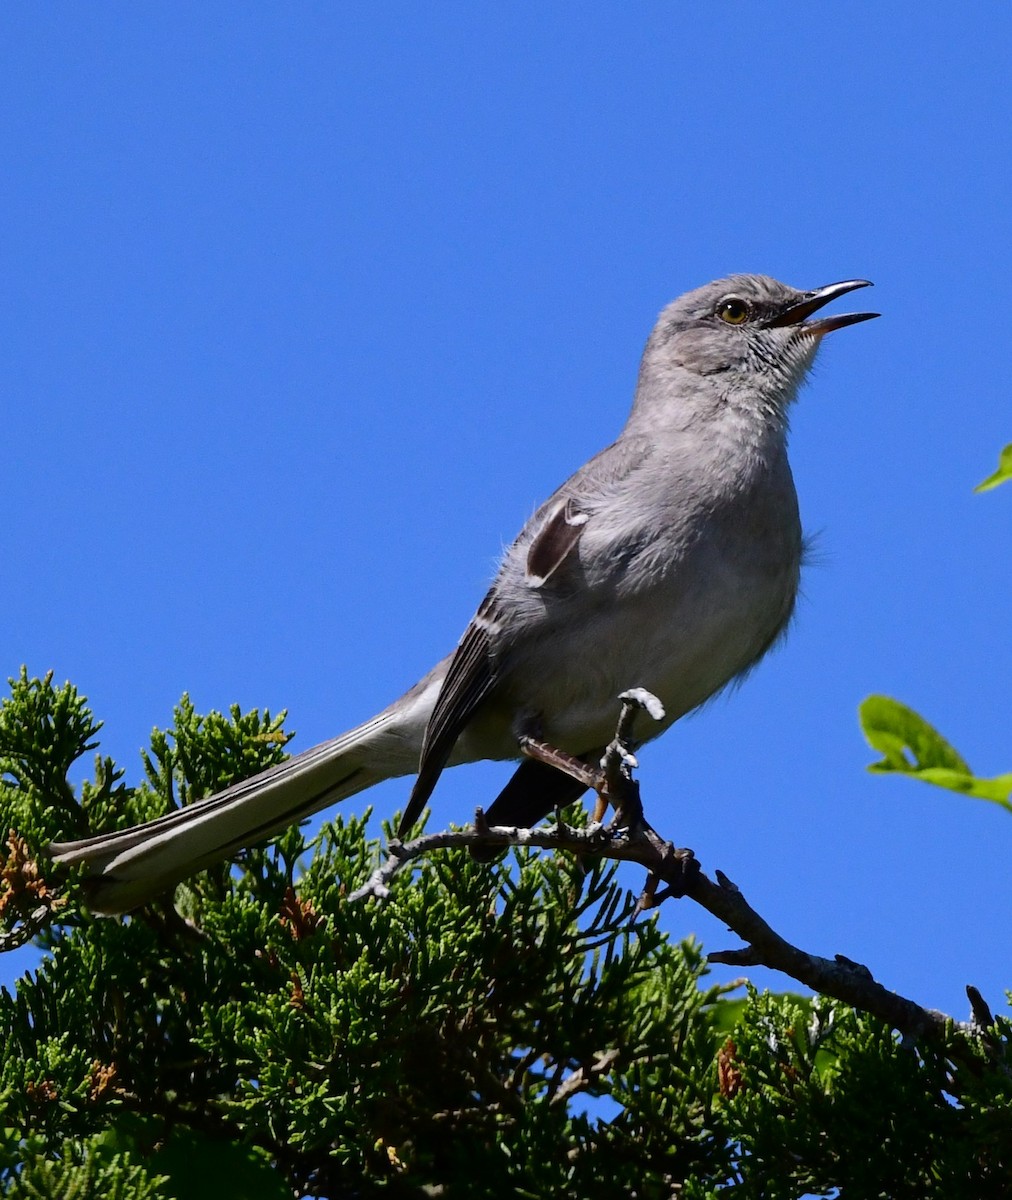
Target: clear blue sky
(305, 307)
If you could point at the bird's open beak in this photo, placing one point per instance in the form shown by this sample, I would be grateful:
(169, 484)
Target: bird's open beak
(813, 301)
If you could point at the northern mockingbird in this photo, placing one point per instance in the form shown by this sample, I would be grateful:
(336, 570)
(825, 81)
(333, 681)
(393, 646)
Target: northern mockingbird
(669, 561)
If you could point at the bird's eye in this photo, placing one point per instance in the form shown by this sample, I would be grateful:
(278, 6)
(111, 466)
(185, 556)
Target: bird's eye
(734, 311)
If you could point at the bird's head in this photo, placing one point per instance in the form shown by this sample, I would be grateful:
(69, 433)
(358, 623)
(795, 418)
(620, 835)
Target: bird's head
(747, 339)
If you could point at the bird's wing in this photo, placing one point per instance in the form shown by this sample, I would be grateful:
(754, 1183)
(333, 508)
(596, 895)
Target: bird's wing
(558, 526)
(471, 673)
(468, 680)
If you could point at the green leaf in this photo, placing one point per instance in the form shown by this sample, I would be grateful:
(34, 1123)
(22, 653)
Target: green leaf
(892, 728)
(1003, 473)
(911, 746)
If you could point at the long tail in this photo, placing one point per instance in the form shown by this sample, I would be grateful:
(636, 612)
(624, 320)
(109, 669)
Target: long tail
(130, 867)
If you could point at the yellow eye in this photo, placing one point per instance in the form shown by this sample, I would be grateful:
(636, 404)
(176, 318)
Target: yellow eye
(733, 311)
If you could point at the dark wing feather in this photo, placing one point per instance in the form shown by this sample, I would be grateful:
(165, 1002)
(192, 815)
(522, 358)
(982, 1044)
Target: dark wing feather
(534, 790)
(468, 680)
(554, 542)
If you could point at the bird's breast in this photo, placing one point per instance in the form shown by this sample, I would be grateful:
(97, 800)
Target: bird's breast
(679, 616)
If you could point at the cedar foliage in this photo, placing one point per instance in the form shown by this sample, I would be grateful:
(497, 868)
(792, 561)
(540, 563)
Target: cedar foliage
(487, 1032)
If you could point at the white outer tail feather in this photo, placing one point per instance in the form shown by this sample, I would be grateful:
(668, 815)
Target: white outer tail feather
(132, 866)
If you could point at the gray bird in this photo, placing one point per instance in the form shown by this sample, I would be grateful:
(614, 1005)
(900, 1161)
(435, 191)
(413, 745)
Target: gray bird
(670, 561)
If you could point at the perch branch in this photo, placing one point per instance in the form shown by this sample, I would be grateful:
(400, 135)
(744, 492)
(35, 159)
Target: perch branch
(630, 838)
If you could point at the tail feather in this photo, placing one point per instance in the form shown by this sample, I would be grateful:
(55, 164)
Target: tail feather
(130, 867)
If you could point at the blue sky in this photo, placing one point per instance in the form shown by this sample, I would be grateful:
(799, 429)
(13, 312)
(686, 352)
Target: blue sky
(304, 308)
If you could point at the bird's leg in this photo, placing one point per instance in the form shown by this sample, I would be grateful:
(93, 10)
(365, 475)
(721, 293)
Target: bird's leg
(612, 780)
(618, 788)
(619, 761)
(614, 784)
(561, 760)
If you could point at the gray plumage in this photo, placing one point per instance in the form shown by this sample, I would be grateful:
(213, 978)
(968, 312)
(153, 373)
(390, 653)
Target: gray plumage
(670, 561)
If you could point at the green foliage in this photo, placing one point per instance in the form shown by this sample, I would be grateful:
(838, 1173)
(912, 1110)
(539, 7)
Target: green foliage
(487, 1032)
(911, 746)
(831, 1098)
(80, 1170)
(1002, 475)
(44, 730)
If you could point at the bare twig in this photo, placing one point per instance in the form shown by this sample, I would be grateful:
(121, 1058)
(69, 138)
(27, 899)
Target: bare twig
(631, 838)
(621, 844)
(837, 977)
(583, 1077)
(981, 1015)
(27, 928)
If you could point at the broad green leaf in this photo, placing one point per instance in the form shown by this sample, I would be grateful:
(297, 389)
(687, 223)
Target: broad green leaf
(912, 747)
(1003, 473)
(893, 728)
